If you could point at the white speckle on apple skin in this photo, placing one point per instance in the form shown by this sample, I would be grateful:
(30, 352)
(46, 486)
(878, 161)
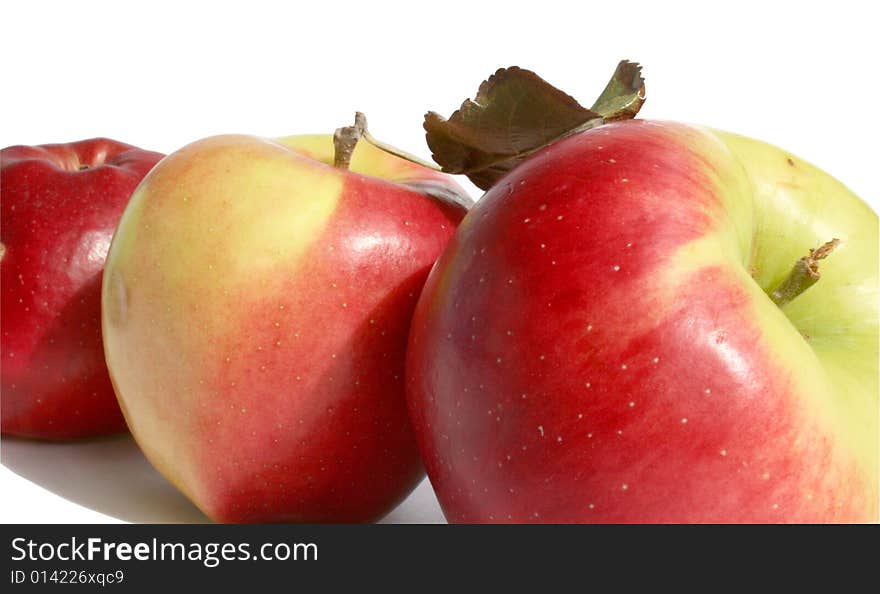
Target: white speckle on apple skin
(541, 430)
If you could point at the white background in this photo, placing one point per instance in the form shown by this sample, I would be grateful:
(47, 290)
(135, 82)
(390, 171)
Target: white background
(162, 74)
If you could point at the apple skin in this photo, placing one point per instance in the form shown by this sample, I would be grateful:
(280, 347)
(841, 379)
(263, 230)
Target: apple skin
(596, 344)
(257, 303)
(61, 203)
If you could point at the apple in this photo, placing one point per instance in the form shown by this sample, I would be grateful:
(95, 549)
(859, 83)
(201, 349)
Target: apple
(616, 333)
(256, 306)
(61, 203)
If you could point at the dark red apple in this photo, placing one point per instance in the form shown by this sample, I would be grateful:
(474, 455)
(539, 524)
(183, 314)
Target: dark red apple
(629, 326)
(60, 206)
(601, 341)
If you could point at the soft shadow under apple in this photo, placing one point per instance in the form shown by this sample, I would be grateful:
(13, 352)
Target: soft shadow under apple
(109, 475)
(112, 476)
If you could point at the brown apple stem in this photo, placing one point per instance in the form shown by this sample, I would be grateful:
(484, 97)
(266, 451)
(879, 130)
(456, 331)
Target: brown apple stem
(345, 140)
(803, 275)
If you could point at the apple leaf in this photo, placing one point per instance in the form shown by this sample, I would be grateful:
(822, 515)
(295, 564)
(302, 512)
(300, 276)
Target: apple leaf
(515, 113)
(624, 95)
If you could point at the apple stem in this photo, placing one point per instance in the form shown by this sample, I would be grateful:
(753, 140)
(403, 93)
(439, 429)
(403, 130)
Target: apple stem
(345, 140)
(803, 275)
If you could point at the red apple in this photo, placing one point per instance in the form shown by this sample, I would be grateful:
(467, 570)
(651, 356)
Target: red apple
(61, 203)
(601, 341)
(257, 302)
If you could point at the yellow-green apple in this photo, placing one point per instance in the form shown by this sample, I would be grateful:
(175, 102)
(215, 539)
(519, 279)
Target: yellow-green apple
(256, 304)
(61, 203)
(616, 333)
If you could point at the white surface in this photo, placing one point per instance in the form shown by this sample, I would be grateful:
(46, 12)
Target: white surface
(163, 74)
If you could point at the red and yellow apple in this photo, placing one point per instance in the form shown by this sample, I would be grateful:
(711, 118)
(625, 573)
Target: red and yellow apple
(598, 343)
(256, 305)
(61, 203)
